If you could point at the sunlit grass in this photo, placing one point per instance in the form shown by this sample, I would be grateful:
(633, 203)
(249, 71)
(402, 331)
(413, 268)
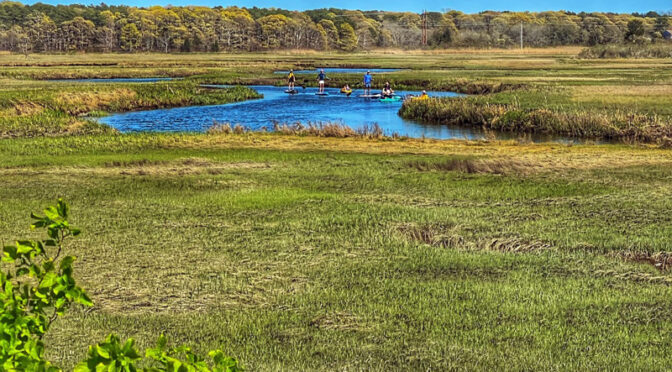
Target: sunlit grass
(307, 253)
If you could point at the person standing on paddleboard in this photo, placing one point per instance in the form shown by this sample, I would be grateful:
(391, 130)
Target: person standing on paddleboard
(321, 77)
(291, 79)
(368, 81)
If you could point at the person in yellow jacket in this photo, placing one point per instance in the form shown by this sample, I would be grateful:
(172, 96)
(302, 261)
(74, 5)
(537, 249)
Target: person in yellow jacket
(291, 80)
(423, 95)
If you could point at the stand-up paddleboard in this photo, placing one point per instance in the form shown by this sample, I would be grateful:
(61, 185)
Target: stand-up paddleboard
(322, 94)
(369, 95)
(294, 91)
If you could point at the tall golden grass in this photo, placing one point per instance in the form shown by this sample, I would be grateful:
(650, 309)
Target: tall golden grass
(616, 124)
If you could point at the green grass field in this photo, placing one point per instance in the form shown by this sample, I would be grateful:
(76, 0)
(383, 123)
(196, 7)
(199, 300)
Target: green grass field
(318, 254)
(305, 253)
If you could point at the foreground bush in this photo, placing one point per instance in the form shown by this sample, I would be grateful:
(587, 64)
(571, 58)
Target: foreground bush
(38, 286)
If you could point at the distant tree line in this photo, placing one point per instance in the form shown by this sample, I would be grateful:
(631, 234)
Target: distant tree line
(66, 28)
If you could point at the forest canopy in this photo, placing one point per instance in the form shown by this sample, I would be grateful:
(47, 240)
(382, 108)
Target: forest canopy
(65, 28)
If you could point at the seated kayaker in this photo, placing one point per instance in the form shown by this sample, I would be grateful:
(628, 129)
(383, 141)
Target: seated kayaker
(346, 89)
(387, 91)
(423, 95)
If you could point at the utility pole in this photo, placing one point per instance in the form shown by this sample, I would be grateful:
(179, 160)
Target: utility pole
(521, 35)
(424, 28)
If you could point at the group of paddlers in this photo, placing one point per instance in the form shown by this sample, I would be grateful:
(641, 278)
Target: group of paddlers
(386, 93)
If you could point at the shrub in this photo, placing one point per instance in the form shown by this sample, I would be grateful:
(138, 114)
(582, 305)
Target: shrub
(38, 286)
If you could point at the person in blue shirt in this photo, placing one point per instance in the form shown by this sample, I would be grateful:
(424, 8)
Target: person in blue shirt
(368, 81)
(321, 77)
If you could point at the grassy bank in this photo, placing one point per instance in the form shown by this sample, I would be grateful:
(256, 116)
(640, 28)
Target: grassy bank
(658, 50)
(54, 108)
(313, 253)
(570, 122)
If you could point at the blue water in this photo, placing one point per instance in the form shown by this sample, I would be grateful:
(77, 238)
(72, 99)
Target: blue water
(118, 80)
(280, 107)
(335, 70)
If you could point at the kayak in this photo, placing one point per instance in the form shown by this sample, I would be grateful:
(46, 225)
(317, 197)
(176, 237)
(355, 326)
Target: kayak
(391, 99)
(348, 92)
(292, 91)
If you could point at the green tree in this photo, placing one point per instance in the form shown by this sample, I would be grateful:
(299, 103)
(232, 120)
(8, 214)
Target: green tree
(446, 34)
(347, 38)
(274, 30)
(130, 37)
(661, 25)
(77, 34)
(333, 40)
(635, 29)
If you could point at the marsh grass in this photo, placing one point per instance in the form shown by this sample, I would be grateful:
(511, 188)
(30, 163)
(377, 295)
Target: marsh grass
(64, 108)
(290, 250)
(329, 130)
(475, 165)
(657, 50)
(630, 126)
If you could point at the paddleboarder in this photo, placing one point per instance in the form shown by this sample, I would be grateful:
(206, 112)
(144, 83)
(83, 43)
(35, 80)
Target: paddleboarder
(368, 81)
(321, 77)
(291, 80)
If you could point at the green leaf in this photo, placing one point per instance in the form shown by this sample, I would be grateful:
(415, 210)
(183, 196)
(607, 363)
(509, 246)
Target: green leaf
(67, 261)
(51, 213)
(84, 299)
(82, 367)
(10, 253)
(102, 351)
(62, 208)
(162, 342)
(48, 280)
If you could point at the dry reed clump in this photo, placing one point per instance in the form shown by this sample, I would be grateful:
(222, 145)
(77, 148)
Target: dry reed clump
(635, 276)
(336, 130)
(660, 260)
(441, 236)
(81, 102)
(336, 321)
(474, 166)
(226, 128)
(659, 50)
(23, 109)
(515, 245)
(512, 118)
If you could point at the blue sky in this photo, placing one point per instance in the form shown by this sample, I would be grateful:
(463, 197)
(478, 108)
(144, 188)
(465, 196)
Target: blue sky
(468, 6)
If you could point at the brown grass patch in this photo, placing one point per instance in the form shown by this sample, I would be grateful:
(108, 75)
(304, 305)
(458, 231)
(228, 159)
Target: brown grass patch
(336, 321)
(23, 109)
(660, 260)
(81, 102)
(446, 237)
(143, 167)
(486, 166)
(635, 276)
